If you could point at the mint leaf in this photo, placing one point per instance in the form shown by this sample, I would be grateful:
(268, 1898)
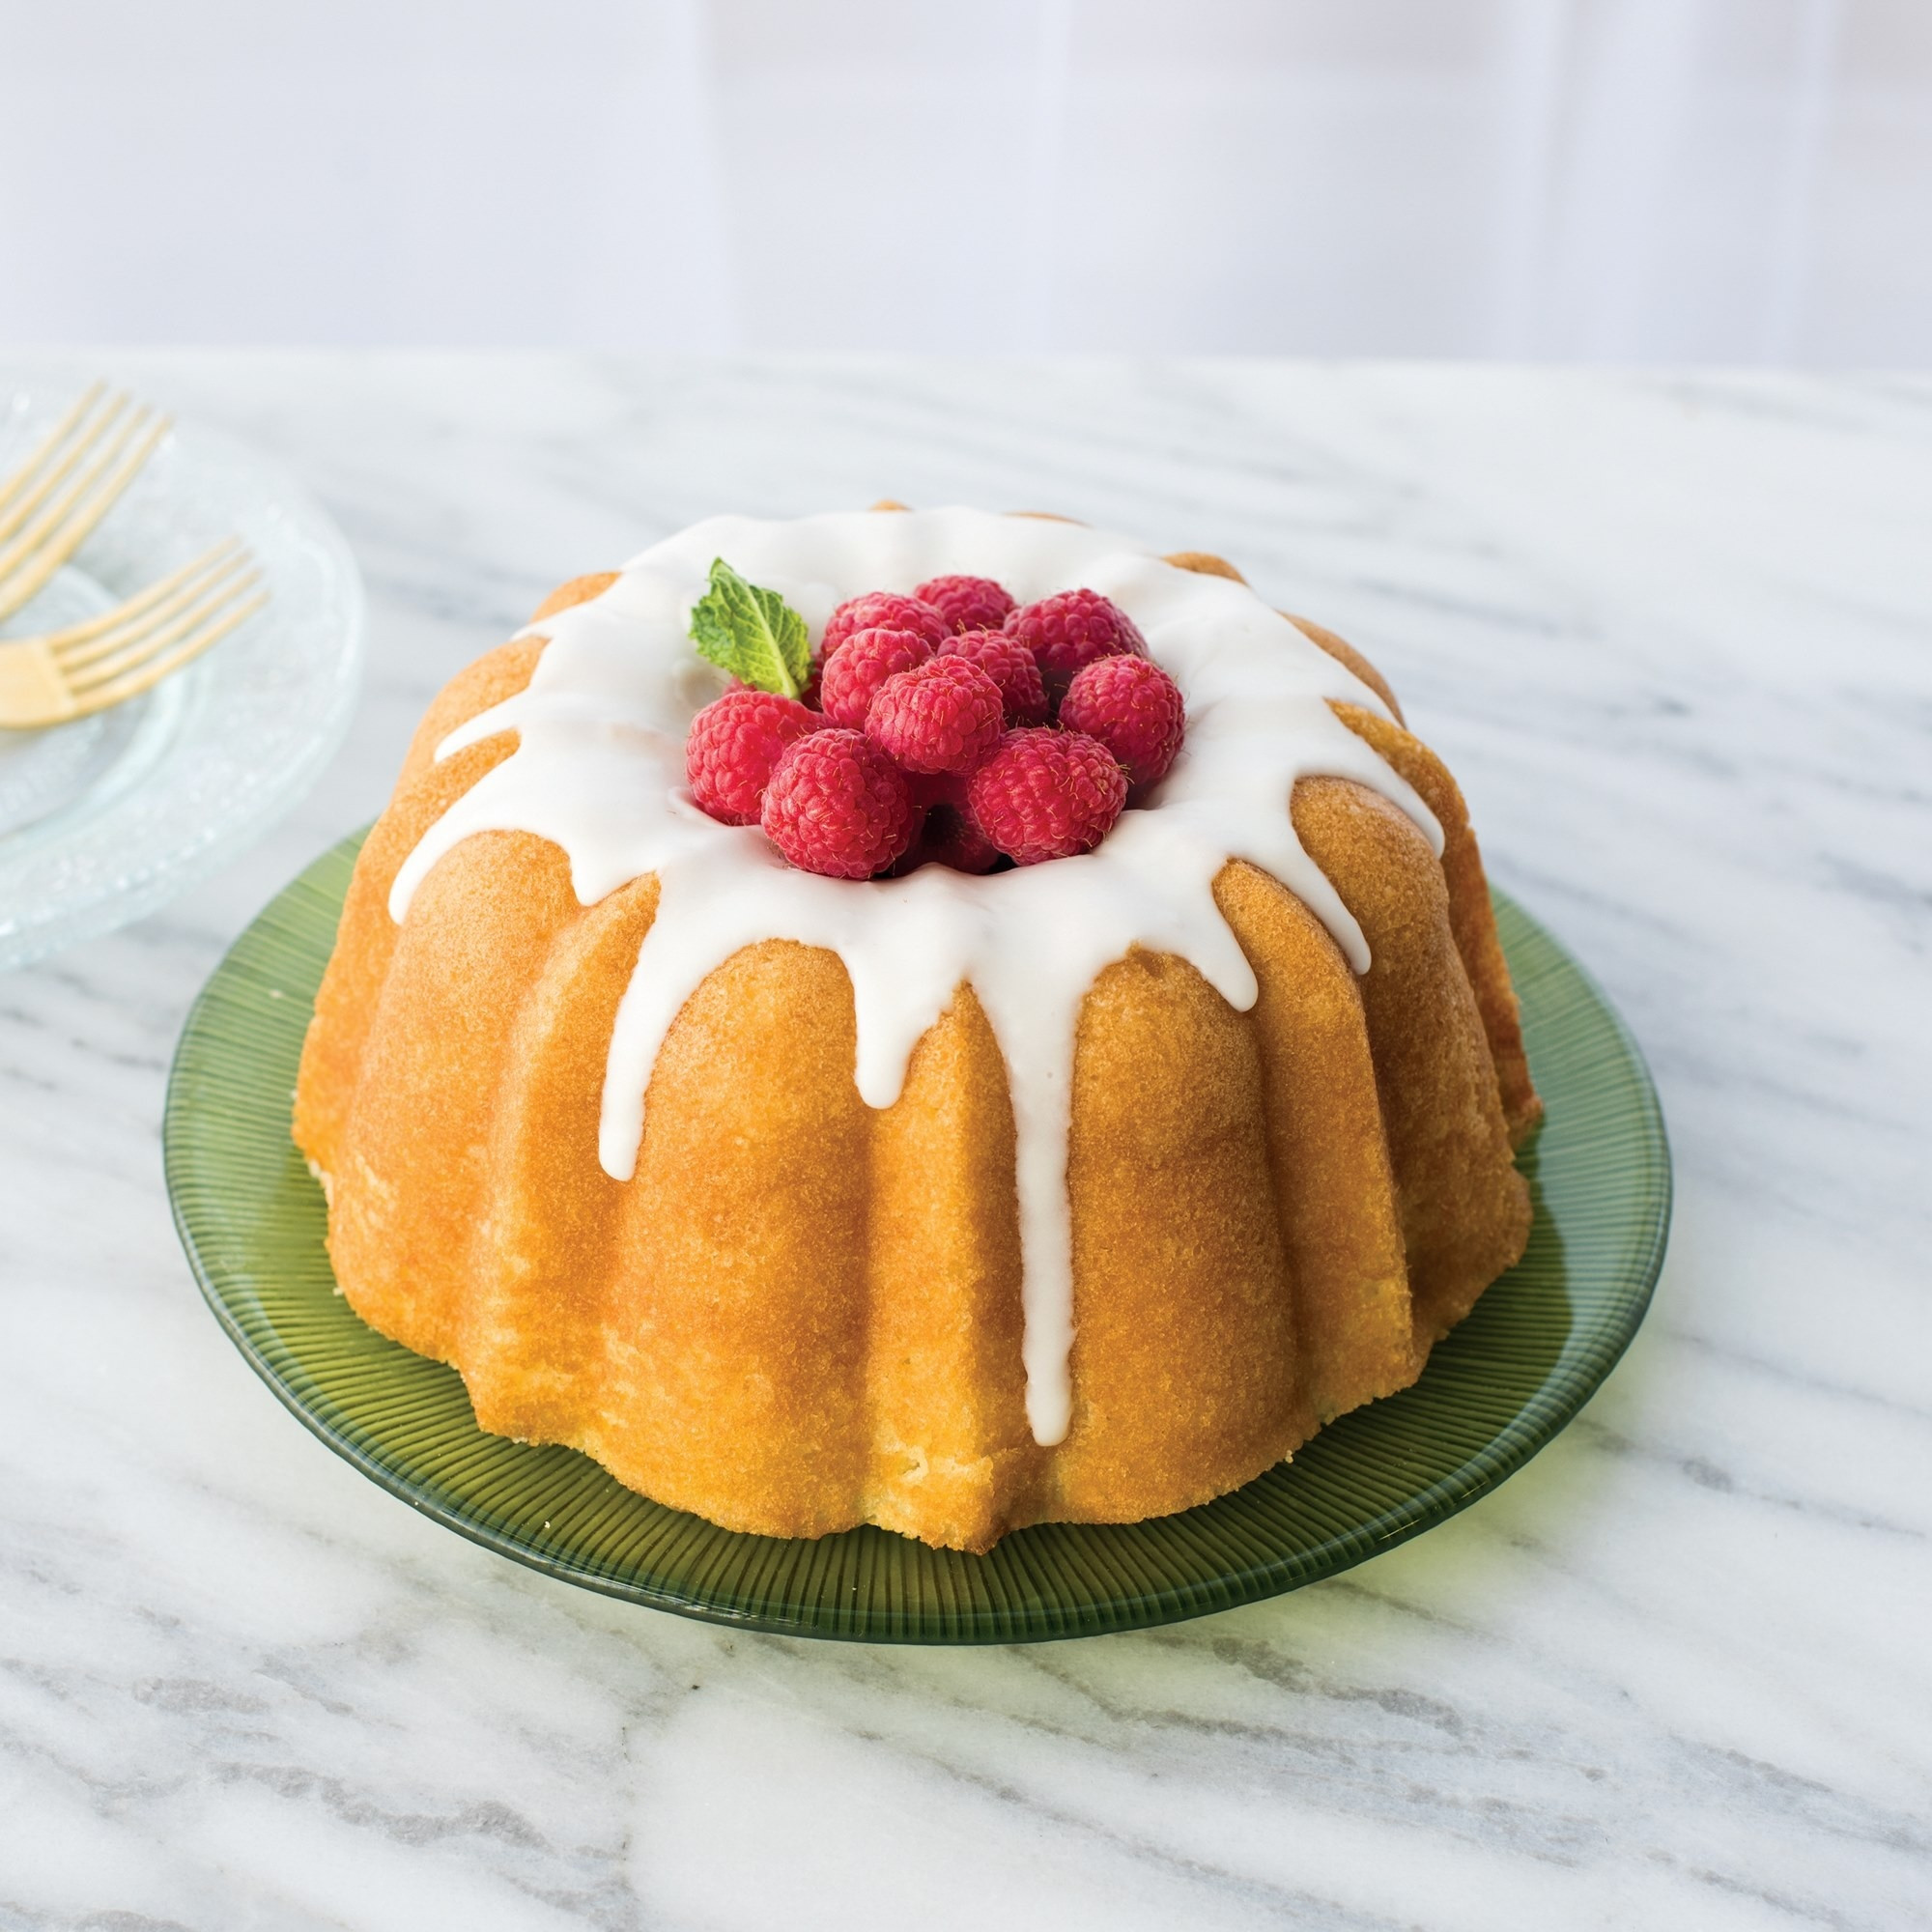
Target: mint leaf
(752, 634)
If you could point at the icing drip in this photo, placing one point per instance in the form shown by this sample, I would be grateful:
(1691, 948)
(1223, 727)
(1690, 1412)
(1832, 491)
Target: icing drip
(599, 770)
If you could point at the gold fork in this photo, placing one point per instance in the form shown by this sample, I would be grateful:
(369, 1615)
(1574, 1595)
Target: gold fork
(51, 504)
(108, 660)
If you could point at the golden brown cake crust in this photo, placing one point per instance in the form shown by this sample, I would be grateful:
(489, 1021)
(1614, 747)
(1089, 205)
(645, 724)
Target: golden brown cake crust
(1345, 653)
(1207, 563)
(579, 591)
(802, 1313)
(1472, 918)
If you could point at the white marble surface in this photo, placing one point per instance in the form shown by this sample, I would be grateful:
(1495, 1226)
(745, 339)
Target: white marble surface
(1675, 636)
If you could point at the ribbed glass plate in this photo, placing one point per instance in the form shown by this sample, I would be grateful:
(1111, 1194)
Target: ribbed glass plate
(105, 819)
(1539, 1341)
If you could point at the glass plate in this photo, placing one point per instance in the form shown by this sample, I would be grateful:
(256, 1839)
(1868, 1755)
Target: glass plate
(103, 819)
(1538, 1343)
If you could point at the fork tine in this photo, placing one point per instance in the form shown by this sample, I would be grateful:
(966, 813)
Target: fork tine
(100, 636)
(92, 627)
(31, 487)
(50, 443)
(61, 529)
(132, 684)
(47, 523)
(131, 652)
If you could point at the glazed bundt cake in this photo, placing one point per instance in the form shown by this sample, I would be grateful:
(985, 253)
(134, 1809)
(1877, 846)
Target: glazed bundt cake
(946, 1200)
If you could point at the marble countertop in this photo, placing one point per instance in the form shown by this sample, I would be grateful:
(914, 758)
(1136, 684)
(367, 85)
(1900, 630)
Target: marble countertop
(1674, 635)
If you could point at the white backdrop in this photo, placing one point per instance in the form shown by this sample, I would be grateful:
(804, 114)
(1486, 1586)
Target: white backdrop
(1735, 180)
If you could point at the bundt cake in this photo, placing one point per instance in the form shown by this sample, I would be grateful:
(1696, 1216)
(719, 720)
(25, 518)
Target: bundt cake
(946, 1200)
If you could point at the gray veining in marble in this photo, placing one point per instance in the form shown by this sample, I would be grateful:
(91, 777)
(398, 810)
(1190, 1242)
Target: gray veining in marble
(1674, 633)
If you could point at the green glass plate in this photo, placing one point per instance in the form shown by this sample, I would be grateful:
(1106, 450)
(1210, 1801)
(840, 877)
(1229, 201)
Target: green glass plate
(1538, 1343)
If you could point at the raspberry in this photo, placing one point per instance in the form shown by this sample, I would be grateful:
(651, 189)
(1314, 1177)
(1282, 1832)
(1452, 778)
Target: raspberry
(968, 602)
(734, 743)
(931, 788)
(852, 678)
(952, 839)
(1046, 794)
(808, 691)
(944, 715)
(951, 835)
(838, 806)
(1011, 666)
(882, 609)
(1071, 630)
(1134, 708)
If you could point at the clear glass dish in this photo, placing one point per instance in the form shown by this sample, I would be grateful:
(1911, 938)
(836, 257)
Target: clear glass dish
(105, 819)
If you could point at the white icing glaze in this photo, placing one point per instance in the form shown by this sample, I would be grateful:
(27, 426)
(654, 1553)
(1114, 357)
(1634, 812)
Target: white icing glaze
(599, 770)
